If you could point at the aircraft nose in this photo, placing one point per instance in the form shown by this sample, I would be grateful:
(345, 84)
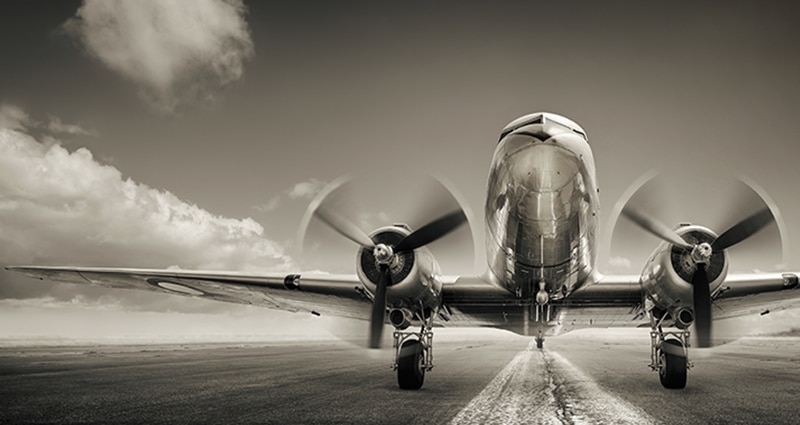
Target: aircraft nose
(544, 178)
(544, 168)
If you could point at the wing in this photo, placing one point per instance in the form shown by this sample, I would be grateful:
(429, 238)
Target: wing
(615, 301)
(760, 293)
(337, 295)
(608, 301)
(475, 302)
(318, 294)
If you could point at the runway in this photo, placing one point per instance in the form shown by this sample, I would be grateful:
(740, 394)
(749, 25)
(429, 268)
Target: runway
(488, 377)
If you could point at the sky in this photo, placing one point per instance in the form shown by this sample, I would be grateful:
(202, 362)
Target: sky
(195, 134)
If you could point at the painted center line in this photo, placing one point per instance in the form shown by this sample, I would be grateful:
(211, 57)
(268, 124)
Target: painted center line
(542, 387)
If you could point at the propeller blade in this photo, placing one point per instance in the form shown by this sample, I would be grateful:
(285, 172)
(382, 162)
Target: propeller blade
(743, 229)
(431, 231)
(379, 308)
(702, 306)
(344, 227)
(654, 226)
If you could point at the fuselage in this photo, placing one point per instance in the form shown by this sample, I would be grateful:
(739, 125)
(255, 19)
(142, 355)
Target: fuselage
(542, 207)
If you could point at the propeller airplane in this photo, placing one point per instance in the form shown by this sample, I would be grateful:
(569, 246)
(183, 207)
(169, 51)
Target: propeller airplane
(541, 225)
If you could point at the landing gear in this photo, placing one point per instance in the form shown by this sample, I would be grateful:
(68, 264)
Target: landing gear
(411, 365)
(414, 356)
(542, 314)
(672, 368)
(669, 354)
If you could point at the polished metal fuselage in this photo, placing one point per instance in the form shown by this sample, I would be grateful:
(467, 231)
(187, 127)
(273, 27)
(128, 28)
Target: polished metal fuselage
(542, 207)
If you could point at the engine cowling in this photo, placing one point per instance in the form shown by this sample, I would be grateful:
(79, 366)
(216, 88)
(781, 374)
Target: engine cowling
(415, 275)
(667, 276)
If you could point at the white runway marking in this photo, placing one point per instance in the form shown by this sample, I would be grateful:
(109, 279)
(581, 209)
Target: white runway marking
(542, 387)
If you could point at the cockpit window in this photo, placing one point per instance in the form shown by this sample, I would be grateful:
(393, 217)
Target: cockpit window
(545, 120)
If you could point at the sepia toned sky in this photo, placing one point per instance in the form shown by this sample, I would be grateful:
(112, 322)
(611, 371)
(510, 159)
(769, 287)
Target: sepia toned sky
(159, 134)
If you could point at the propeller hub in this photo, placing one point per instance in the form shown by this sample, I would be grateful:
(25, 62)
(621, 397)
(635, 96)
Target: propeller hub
(383, 254)
(701, 253)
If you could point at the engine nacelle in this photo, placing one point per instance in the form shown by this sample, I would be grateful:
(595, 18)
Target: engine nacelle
(683, 318)
(400, 318)
(667, 275)
(415, 275)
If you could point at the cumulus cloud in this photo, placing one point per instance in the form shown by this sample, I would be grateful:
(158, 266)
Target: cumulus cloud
(175, 51)
(58, 206)
(13, 117)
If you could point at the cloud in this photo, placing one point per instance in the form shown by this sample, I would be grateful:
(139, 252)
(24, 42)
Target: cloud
(373, 220)
(306, 189)
(175, 51)
(58, 206)
(303, 190)
(57, 127)
(269, 206)
(13, 117)
(620, 263)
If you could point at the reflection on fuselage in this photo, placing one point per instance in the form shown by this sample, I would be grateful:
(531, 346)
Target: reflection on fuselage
(542, 207)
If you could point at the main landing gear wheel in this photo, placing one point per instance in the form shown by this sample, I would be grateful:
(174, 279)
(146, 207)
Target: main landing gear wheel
(411, 365)
(673, 364)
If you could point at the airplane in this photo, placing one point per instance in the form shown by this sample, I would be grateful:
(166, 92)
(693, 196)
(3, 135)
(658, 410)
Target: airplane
(541, 225)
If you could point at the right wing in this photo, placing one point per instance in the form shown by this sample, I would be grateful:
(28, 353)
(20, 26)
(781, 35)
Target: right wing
(337, 295)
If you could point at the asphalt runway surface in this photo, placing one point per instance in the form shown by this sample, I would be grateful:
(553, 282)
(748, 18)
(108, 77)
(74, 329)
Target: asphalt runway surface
(484, 378)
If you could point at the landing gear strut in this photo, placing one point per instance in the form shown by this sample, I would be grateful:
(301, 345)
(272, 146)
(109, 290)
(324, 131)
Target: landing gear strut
(413, 355)
(669, 354)
(542, 313)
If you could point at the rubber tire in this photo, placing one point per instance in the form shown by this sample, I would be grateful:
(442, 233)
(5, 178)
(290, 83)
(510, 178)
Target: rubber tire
(410, 370)
(673, 368)
(539, 343)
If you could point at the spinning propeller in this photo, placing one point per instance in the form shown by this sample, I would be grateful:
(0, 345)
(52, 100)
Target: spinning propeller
(700, 255)
(385, 254)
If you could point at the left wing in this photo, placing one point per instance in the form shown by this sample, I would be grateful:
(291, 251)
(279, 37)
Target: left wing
(616, 301)
(760, 293)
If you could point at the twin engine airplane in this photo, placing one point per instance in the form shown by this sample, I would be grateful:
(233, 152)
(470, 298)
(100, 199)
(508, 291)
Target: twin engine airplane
(542, 210)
